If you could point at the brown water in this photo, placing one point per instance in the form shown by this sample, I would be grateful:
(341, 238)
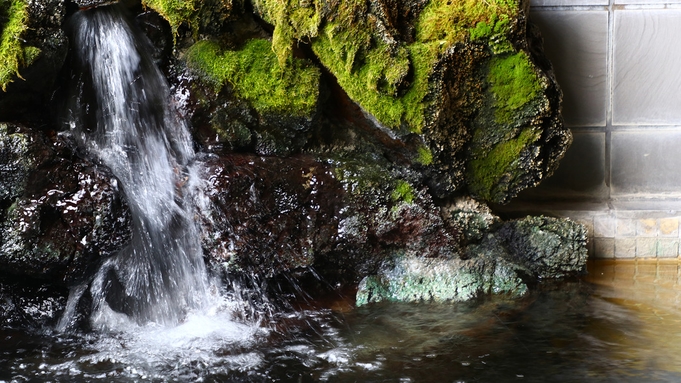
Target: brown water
(622, 323)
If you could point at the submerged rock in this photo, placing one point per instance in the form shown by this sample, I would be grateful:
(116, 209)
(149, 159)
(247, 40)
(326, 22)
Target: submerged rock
(59, 215)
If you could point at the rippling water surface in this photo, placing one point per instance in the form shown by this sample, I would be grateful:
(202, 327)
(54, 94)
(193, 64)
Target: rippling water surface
(620, 324)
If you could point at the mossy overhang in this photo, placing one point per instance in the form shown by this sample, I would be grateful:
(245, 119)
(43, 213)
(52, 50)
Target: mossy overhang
(14, 54)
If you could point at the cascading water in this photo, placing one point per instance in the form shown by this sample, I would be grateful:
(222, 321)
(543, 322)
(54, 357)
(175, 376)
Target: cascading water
(120, 114)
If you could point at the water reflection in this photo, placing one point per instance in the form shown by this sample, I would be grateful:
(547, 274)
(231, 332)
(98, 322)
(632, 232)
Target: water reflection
(620, 324)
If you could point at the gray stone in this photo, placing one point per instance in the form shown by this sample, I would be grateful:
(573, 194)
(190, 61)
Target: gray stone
(548, 247)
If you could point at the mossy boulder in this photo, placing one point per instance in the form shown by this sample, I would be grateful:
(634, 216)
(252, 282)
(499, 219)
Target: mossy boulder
(459, 74)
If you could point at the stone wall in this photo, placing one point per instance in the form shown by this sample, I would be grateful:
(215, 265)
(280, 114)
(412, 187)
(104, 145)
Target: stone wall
(617, 62)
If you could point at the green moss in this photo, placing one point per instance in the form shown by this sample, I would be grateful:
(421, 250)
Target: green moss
(514, 83)
(372, 75)
(175, 11)
(371, 72)
(494, 32)
(486, 171)
(425, 156)
(256, 76)
(452, 21)
(293, 20)
(31, 54)
(403, 192)
(13, 17)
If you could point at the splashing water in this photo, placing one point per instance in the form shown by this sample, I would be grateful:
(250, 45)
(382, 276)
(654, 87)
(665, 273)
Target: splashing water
(120, 114)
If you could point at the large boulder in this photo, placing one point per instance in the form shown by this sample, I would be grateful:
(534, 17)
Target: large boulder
(499, 258)
(463, 85)
(460, 75)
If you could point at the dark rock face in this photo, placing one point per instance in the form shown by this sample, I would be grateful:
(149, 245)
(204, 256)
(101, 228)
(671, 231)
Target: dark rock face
(270, 215)
(33, 307)
(86, 4)
(59, 215)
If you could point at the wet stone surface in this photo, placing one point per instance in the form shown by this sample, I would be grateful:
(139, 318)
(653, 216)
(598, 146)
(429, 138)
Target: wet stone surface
(60, 215)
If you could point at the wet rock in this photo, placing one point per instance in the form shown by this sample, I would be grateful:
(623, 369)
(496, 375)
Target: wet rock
(30, 307)
(59, 215)
(548, 247)
(268, 215)
(271, 215)
(414, 279)
(87, 4)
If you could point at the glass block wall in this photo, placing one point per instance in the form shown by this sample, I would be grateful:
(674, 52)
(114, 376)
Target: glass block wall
(619, 65)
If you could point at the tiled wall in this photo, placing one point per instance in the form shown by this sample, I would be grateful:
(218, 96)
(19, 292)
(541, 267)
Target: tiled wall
(619, 65)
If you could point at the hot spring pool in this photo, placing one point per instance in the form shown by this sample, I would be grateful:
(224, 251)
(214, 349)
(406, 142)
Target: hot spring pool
(622, 323)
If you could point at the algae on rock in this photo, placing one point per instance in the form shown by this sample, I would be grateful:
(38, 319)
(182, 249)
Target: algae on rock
(415, 279)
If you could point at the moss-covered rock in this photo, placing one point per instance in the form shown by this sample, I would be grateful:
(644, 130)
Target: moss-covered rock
(13, 55)
(33, 48)
(458, 73)
(256, 76)
(199, 16)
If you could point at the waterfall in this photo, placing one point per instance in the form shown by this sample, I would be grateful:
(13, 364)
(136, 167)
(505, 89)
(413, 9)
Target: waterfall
(120, 113)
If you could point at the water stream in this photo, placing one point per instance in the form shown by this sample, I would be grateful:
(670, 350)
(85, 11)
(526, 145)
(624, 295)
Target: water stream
(121, 115)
